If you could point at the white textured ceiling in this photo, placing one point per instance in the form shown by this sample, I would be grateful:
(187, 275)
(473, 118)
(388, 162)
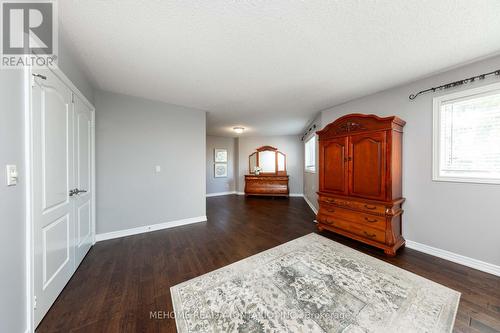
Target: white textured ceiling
(271, 65)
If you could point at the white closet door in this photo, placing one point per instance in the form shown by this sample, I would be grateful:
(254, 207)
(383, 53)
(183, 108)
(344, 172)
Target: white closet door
(53, 178)
(83, 174)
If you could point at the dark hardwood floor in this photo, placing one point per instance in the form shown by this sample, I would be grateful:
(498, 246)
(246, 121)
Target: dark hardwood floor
(122, 281)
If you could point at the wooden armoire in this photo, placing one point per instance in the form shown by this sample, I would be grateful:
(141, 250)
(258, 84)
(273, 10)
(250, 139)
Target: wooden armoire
(360, 190)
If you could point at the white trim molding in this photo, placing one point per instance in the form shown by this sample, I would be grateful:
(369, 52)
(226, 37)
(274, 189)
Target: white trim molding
(314, 209)
(218, 194)
(454, 257)
(28, 197)
(148, 228)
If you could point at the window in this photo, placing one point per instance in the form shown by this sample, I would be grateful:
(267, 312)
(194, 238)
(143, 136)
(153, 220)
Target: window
(467, 136)
(310, 154)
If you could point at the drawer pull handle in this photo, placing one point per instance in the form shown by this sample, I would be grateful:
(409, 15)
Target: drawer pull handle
(369, 235)
(327, 221)
(330, 210)
(370, 207)
(367, 219)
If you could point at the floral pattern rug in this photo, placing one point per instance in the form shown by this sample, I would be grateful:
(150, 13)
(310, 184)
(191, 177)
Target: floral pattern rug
(313, 284)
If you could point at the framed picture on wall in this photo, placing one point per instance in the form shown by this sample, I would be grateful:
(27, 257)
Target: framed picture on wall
(220, 170)
(220, 155)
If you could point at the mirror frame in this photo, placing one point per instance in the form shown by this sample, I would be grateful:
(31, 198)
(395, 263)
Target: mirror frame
(267, 148)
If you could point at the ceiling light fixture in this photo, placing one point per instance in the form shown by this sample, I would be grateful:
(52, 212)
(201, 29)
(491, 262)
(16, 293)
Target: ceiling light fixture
(238, 130)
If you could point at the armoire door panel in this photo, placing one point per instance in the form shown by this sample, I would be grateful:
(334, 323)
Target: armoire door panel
(334, 174)
(367, 165)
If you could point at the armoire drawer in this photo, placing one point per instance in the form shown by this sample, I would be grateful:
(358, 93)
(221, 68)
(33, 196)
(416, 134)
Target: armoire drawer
(352, 204)
(368, 220)
(357, 229)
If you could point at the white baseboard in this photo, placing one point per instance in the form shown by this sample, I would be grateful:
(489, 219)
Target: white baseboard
(240, 193)
(218, 194)
(457, 258)
(311, 205)
(148, 228)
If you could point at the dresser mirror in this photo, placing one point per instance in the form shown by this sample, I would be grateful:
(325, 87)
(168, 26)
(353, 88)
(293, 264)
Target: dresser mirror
(252, 160)
(269, 160)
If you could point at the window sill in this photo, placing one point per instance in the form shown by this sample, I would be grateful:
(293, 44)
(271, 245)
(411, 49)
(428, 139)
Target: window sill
(466, 180)
(310, 171)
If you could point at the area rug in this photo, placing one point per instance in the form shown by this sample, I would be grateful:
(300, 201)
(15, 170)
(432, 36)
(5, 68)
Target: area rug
(313, 284)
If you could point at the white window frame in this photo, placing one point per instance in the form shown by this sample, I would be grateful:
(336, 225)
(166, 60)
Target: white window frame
(436, 144)
(306, 169)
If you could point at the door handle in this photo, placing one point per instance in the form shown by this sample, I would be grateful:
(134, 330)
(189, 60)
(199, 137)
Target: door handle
(76, 191)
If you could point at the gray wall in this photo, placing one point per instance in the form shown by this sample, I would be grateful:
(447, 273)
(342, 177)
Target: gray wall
(133, 135)
(458, 217)
(311, 180)
(217, 185)
(72, 68)
(288, 144)
(12, 204)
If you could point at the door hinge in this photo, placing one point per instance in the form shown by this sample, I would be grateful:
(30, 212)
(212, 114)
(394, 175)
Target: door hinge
(33, 76)
(40, 76)
(72, 98)
(34, 302)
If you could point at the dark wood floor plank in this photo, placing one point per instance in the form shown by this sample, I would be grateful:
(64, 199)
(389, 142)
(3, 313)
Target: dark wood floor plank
(122, 282)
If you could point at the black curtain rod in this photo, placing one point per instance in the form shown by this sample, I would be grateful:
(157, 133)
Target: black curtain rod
(456, 83)
(313, 127)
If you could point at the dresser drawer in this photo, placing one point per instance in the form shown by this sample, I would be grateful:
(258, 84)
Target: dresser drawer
(369, 220)
(356, 228)
(266, 185)
(352, 204)
(266, 179)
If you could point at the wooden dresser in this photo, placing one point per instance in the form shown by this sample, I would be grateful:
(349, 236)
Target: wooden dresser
(360, 185)
(271, 179)
(272, 185)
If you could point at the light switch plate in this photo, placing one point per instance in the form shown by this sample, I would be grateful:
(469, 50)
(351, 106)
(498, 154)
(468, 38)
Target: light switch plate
(12, 175)
(158, 169)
